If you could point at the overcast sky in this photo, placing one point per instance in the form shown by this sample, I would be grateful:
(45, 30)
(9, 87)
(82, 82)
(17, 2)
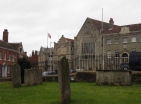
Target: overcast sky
(29, 21)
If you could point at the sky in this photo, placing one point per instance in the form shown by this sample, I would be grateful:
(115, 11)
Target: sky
(29, 21)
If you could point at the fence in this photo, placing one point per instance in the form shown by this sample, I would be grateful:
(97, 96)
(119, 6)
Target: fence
(89, 62)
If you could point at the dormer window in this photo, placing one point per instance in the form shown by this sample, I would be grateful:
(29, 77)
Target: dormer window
(21, 50)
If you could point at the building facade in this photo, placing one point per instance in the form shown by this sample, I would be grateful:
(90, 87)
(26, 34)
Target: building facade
(100, 45)
(8, 55)
(45, 59)
(64, 48)
(119, 41)
(34, 59)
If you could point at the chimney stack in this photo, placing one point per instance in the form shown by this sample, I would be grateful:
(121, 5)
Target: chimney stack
(36, 52)
(5, 35)
(111, 23)
(33, 53)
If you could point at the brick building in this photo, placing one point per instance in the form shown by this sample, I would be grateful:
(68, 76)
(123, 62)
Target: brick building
(34, 59)
(9, 52)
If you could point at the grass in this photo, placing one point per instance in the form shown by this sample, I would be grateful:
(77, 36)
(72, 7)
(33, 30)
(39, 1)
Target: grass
(81, 93)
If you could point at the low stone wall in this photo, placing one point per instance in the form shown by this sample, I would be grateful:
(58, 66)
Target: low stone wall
(85, 76)
(136, 76)
(113, 77)
(5, 79)
(50, 78)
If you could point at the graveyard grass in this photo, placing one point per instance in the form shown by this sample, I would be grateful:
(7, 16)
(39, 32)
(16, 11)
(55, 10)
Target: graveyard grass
(81, 93)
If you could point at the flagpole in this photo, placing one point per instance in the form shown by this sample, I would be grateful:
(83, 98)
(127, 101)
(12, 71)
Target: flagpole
(47, 40)
(50, 56)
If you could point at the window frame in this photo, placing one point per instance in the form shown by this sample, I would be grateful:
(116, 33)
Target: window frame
(109, 55)
(116, 42)
(124, 40)
(109, 41)
(5, 55)
(133, 39)
(117, 54)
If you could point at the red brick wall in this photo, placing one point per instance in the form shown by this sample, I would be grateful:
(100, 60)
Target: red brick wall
(7, 61)
(34, 59)
(5, 35)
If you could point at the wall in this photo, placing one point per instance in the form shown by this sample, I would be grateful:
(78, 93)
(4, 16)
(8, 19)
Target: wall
(113, 77)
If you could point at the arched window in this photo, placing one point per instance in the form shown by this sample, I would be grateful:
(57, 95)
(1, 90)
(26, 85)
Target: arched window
(124, 58)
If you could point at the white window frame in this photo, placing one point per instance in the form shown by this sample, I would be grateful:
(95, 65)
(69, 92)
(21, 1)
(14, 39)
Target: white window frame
(5, 55)
(125, 40)
(9, 57)
(108, 53)
(13, 58)
(8, 69)
(117, 55)
(108, 41)
(140, 38)
(133, 39)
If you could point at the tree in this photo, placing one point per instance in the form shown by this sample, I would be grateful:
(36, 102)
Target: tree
(24, 63)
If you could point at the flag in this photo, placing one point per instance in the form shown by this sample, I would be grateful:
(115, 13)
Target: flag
(49, 35)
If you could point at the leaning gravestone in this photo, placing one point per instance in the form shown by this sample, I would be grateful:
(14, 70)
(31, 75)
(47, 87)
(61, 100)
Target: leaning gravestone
(16, 76)
(64, 80)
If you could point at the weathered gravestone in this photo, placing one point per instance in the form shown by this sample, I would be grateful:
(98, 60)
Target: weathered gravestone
(16, 76)
(64, 80)
(32, 77)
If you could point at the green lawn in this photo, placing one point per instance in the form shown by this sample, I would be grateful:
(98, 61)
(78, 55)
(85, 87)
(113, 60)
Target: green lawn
(81, 93)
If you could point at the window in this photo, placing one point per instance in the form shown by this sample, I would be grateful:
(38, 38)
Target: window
(125, 40)
(20, 50)
(116, 40)
(133, 49)
(108, 54)
(8, 70)
(13, 57)
(140, 39)
(0, 55)
(5, 56)
(133, 39)
(9, 57)
(108, 41)
(116, 53)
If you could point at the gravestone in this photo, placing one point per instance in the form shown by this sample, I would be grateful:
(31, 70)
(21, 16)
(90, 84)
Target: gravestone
(32, 77)
(64, 80)
(16, 76)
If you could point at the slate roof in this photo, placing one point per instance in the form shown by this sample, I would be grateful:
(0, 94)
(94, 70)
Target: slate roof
(115, 28)
(6, 45)
(98, 24)
(15, 45)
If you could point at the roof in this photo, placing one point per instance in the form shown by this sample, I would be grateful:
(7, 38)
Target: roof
(117, 29)
(6, 45)
(69, 40)
(98, 24)
(15, 45)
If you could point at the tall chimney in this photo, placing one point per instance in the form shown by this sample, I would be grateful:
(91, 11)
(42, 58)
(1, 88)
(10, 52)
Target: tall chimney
(5, 35)
(111, 23)
(36, 52)
(33, 53)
